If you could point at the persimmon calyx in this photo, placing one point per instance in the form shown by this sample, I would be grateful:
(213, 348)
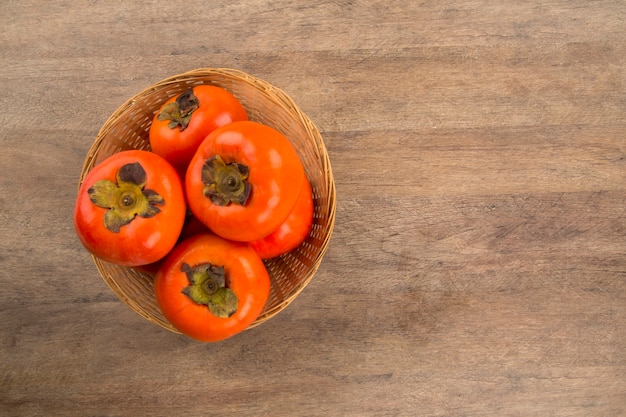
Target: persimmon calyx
(179, 111)
(207, 286)
(225, 183)
(125, 198)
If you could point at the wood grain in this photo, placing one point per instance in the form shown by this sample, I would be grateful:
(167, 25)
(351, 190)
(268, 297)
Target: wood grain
(478, 262)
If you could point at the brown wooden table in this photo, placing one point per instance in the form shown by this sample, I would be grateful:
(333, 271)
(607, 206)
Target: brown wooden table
(478, 262)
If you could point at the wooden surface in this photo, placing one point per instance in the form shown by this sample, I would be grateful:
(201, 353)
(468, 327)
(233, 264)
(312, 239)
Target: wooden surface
(478, 262)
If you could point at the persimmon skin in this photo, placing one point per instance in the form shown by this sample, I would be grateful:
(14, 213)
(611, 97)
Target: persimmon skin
(292, 232)
(144, 240)
(276, 176)
(217, 107)
(246, 275)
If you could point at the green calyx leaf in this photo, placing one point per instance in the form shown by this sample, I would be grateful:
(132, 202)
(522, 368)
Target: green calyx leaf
(179, 111)
(207, 286)
(225, 183)
(125, 198)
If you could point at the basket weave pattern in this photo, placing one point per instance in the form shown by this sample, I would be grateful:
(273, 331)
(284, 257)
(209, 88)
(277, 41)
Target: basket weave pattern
(128, 128)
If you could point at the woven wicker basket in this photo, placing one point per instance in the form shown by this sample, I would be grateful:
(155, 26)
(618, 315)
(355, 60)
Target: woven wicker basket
(128, 128)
